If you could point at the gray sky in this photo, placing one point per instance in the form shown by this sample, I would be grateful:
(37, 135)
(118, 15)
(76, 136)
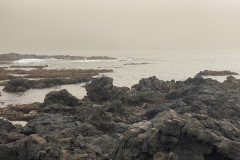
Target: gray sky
(75, 25)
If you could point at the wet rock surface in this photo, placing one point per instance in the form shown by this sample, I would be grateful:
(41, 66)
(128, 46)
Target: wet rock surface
(17, 85)
(216, 73)
(24, 112)
(17, 66)
(44, 78)
(197, 119)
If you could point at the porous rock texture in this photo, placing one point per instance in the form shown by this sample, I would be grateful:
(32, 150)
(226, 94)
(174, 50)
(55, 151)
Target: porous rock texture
(195, 119)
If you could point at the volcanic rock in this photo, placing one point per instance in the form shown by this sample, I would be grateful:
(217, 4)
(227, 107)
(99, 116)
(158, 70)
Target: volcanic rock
(24, 112)
(216, 73)
(102, 89)
(197, 119)
(154, 84)
(17, 85)
(61, 97)
(11, 141)
(53, 136)
(172, 136)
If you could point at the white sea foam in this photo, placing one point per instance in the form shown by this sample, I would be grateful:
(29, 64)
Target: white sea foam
(93, 61)
(125, 59)
(29, 61)
(104, 60)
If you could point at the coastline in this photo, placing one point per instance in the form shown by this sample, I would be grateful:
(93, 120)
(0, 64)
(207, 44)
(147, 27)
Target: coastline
(191, 113)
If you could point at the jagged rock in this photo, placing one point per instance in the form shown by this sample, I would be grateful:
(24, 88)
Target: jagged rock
(100, 89)
(11, 141)
(150, 90)
(17, 85)
(104, 118)
(178, 137)
(61, 97)
(106, 142)
(55, 137)
(154, 84)
(193, 119)
(8, 132)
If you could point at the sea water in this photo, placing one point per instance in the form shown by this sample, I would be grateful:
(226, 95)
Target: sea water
(128, 68)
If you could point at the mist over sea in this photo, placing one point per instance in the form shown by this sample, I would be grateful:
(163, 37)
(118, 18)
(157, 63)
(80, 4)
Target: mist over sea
(129, 67)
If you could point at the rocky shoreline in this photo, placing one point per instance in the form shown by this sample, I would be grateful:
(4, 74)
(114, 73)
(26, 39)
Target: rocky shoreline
(22, 80)
(16, 56)
(216, 73)
(197, 119)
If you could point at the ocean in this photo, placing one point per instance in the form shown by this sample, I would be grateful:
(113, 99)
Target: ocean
(128, 68)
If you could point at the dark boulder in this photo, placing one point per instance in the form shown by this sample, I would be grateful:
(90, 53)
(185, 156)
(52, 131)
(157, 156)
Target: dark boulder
(150, 90)
(8, 132)
(17, 85)
(102, 89)
(154, 84)
(6, 125)
(61, 97)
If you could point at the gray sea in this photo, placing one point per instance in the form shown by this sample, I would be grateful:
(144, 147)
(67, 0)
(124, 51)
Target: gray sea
(128, 68)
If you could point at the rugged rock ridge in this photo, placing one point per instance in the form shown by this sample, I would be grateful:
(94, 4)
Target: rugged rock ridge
(195, 119)
(149, 90)
(172, 136)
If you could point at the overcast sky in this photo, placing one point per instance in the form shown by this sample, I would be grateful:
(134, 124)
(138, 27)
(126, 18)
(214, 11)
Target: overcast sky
(75, 25)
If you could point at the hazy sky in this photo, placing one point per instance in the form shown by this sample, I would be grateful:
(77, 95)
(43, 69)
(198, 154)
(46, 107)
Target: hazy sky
(74, 25)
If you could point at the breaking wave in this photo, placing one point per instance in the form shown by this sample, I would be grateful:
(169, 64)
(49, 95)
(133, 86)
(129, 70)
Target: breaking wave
(104, 60)
(29, 61)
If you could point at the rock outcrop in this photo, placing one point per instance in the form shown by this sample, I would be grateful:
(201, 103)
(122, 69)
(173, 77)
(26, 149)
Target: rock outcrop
(197, 119)
(24, 112)
(102, 89)
(61, 97)
(148, 90)
(179, 137)
(59, 137)
(22, 80)
(11, 141)
(17, 85)
(216, 73)
(154, 84)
